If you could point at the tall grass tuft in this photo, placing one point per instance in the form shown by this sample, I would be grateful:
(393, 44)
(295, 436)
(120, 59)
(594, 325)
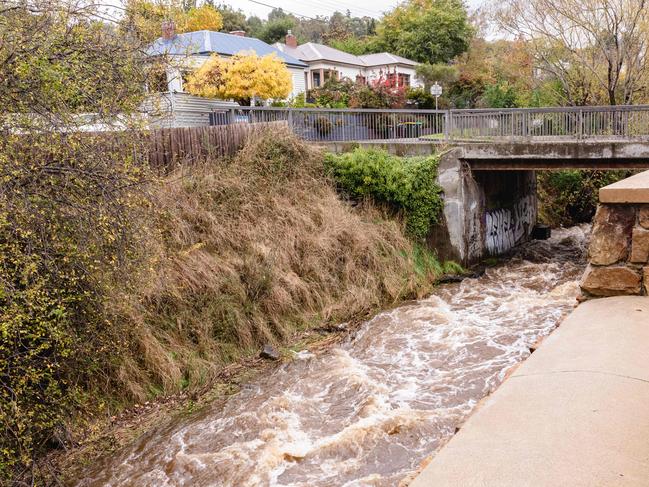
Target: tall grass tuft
(253, 250)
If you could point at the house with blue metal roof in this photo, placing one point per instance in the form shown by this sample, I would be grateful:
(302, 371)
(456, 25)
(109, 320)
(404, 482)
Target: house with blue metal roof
(190, 50)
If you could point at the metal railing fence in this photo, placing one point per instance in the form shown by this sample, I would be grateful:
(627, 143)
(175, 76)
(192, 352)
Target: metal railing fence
(325, 124)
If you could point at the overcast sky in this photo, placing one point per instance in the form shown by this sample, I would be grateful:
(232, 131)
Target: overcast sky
(311, 8)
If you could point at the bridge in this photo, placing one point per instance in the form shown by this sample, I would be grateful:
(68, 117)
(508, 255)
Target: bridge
(488, 157)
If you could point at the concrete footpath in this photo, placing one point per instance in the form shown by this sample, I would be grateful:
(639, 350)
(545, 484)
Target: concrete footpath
(575, 414)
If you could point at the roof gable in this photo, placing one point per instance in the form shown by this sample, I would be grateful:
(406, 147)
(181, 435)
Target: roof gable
(383, 58)
(311, 52)
(207, 42)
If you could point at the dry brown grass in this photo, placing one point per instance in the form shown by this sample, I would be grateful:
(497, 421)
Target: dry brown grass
(253, 250)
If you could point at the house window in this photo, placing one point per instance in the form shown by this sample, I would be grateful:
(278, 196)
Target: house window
(404, 79)
(316, 78)
(392, 79)
(361, 79)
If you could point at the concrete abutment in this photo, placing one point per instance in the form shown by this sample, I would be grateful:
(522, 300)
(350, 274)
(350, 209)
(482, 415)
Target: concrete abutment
(485, 213)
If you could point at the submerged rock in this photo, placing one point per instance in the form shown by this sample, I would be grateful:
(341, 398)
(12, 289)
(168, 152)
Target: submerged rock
(269, 352)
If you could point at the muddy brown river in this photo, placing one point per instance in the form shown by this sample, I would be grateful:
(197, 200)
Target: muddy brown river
(367, 412)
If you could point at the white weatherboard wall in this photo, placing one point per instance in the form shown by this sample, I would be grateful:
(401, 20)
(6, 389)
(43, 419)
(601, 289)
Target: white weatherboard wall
(297, 76)
(370, 72)
(167, 110)
(373, 72)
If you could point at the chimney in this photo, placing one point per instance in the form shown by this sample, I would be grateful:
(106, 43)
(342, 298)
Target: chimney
(291, 40)
(168, 29)
(240, 33)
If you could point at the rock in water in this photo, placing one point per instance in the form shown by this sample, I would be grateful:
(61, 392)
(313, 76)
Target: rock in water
(269, 352)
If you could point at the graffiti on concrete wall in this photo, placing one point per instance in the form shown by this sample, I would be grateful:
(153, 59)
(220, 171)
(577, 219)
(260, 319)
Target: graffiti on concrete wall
(506, 227)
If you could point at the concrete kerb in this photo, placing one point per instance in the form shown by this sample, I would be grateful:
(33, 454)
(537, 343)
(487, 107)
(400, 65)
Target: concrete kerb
(574, 414)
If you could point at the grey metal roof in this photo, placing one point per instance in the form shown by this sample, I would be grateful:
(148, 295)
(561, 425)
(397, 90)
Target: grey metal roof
(383, 58)
(207, 41)
(311, 52)
(316, 52)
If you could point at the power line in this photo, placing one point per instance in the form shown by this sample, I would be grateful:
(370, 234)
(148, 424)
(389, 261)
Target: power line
(330, 5)
(342, 7)
(288, 11)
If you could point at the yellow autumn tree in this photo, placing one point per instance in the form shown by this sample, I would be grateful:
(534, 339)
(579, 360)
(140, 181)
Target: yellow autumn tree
(145, 17)
(205, 17)
(242, 77)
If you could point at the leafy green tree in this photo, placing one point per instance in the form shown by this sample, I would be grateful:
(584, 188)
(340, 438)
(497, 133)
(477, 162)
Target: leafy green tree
(436, 73)
(275, 30)
(232, 19)
(255, 26)
(354, 45)
(500, 95)
(428, 31)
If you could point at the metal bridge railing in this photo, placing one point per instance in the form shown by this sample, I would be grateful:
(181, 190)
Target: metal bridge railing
(572, 123)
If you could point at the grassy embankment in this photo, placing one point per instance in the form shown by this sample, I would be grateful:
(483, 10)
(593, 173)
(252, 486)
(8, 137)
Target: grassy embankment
(208, 264)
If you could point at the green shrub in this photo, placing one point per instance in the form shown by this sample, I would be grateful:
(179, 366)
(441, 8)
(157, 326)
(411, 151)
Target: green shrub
(570, 197)
(422, 98)
(500, 95)
(333, 93)
(405, 184)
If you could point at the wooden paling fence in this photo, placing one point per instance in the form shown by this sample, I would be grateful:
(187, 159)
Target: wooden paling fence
(174, 146)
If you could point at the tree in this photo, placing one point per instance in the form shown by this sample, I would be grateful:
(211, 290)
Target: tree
(232, 19)
(354, 45)
(428, 31)
(436, 73)
(205, 17)
(69, 201)
(597, 49)
(275, 30)
(242, 77)
(145, 17)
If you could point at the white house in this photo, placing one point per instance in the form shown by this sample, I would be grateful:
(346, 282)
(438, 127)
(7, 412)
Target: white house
(188, 51)
(325, 62)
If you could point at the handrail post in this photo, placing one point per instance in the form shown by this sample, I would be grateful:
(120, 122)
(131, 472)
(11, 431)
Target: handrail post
(448, 126)
(524, 127)
(580, 121)
(289, 118)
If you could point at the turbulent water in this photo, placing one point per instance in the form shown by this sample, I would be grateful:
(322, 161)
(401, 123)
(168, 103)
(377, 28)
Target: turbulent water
(368, 412)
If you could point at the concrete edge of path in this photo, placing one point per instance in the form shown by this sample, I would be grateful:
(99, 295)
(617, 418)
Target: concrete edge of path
(576, 413)
(634, 189)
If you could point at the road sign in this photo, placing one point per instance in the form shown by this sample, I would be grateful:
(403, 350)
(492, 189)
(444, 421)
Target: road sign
(436, 90)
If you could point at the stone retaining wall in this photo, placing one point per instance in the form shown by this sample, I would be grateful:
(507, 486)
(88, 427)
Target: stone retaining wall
(619, 251)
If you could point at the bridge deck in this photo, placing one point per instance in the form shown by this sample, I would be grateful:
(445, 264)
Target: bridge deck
(521, 155)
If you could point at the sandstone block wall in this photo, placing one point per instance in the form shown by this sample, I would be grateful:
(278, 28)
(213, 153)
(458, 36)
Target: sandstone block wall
(619, 251)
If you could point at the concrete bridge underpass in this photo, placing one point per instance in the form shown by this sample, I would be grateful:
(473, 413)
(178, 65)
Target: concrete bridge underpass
(490, 200)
